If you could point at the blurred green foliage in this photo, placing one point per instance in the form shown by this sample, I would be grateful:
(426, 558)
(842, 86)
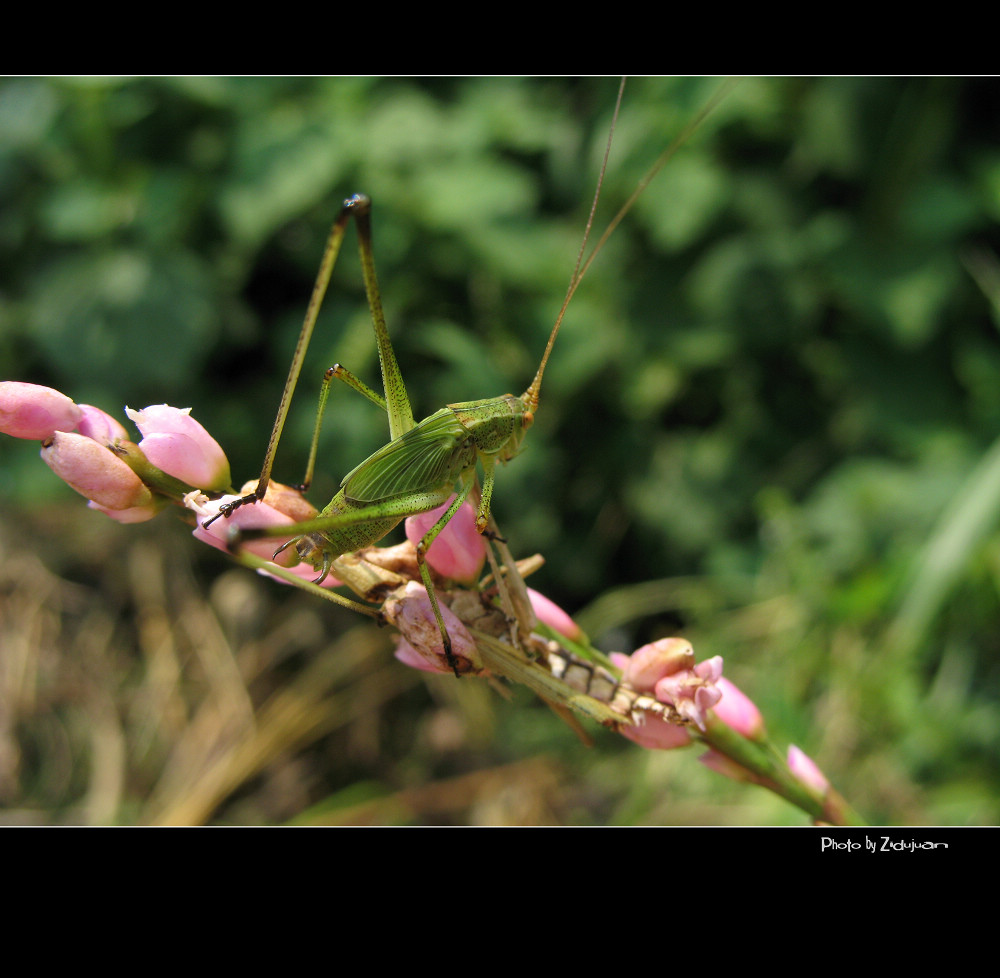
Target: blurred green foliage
(771, 420)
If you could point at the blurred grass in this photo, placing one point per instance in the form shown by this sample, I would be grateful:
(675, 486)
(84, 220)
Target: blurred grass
(769, 423)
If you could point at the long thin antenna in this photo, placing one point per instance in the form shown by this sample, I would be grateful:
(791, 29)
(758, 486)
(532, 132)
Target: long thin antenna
(530, 396)
(661, 161)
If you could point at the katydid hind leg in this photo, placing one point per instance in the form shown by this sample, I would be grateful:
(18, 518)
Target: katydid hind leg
(342, 529)
(330, 253)
(396, 401)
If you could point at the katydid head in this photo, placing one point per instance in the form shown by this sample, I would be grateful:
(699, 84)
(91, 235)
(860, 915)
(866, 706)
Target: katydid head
(524, 417)
(497, 425)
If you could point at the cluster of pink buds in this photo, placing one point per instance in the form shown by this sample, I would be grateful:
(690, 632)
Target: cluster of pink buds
(667, 670)
(92, 453)
(458, 554)
(177, 461)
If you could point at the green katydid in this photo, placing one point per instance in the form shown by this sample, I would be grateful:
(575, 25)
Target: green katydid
(419, 468)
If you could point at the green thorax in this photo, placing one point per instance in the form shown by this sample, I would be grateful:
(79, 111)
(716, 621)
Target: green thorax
(497, 424)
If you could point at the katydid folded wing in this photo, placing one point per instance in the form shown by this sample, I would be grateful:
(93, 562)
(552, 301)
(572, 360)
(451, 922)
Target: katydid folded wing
(426, 459)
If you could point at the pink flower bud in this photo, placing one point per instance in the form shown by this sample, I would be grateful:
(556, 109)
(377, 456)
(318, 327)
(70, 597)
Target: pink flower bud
(667, 668)
(619, 660)
(134, 514)
(805, 770)
(174, 442)
(409, 656)
(459, 551)
(738, 711)
(693, 692)
(651, 663)
(549, 613)
(94, 471)
(657, 734)
(413, 616)
(30, 411)
(254, 516)
(100, 426)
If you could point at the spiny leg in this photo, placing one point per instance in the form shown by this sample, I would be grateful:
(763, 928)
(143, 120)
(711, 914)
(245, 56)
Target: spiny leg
(423, 546)
(486, 496)
(330, 253)
(511, 589)
(396, 399)
(332, 534)
(397, 402)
